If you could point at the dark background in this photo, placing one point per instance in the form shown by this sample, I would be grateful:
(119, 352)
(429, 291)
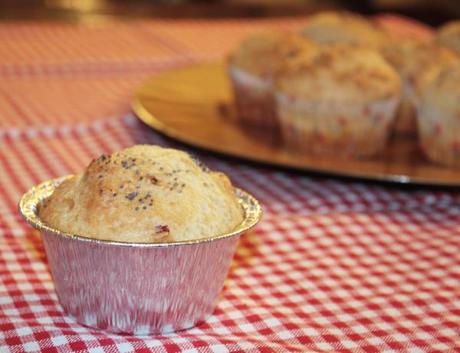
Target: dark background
(433, 12)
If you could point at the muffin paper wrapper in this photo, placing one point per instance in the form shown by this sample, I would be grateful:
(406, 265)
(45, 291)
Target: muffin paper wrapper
(334, 127)
(254, 99)
(439, 135)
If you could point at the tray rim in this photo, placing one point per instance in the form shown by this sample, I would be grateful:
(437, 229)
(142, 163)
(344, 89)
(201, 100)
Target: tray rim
(149, 118)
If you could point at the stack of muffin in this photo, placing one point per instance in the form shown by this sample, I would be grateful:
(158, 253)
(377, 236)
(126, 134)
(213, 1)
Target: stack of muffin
(342, 86)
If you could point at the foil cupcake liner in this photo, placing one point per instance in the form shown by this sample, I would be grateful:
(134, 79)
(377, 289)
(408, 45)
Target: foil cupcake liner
(137, 288)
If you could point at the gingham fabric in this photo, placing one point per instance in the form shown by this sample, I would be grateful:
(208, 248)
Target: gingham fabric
(333, 266)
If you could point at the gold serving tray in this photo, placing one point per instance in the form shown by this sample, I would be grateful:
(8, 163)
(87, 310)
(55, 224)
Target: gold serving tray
(194, 105)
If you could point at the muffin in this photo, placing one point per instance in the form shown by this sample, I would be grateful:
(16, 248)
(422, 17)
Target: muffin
(449, 36)
(412, 59)
(340, 102)
(438, 115)
(252, 67)
(343, 27)
(144, 194)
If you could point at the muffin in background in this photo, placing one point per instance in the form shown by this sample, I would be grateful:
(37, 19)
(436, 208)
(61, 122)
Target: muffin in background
(343, 27)
(340, 102)
(448, 36)
(438, 115)
(412, 59)
(144, 194)
(252, 67)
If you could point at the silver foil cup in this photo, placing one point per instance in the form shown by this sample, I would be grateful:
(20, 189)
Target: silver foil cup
(137, 288)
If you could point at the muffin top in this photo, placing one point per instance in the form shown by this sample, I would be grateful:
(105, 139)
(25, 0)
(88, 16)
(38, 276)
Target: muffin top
(144, 194)
(413, 58)
(449, 36)
(339, 73)
(264, 53)
(343, 27)
(441, 88)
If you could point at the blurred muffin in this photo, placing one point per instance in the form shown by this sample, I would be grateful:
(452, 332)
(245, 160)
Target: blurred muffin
(438, 115)
(340, 102)
(343, 27)
(144, 194)
(449, 36)
(251, 69)
(412, 59)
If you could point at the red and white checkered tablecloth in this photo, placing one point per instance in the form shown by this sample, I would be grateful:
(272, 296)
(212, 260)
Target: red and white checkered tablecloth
(334, 265)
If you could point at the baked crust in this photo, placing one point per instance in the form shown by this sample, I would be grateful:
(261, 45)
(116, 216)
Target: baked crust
(413, 58)
(449, 36)
(340, 72)
(264, 53)
(331, 27)
(144, 194)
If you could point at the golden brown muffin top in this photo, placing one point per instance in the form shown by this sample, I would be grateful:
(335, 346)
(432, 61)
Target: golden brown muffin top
(449, 36)
(262, 54)
(144, 194)
(339, 72)
(343, 27)
(412, 58)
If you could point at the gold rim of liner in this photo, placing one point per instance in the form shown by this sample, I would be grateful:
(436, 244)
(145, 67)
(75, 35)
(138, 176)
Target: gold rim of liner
(31, 199)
